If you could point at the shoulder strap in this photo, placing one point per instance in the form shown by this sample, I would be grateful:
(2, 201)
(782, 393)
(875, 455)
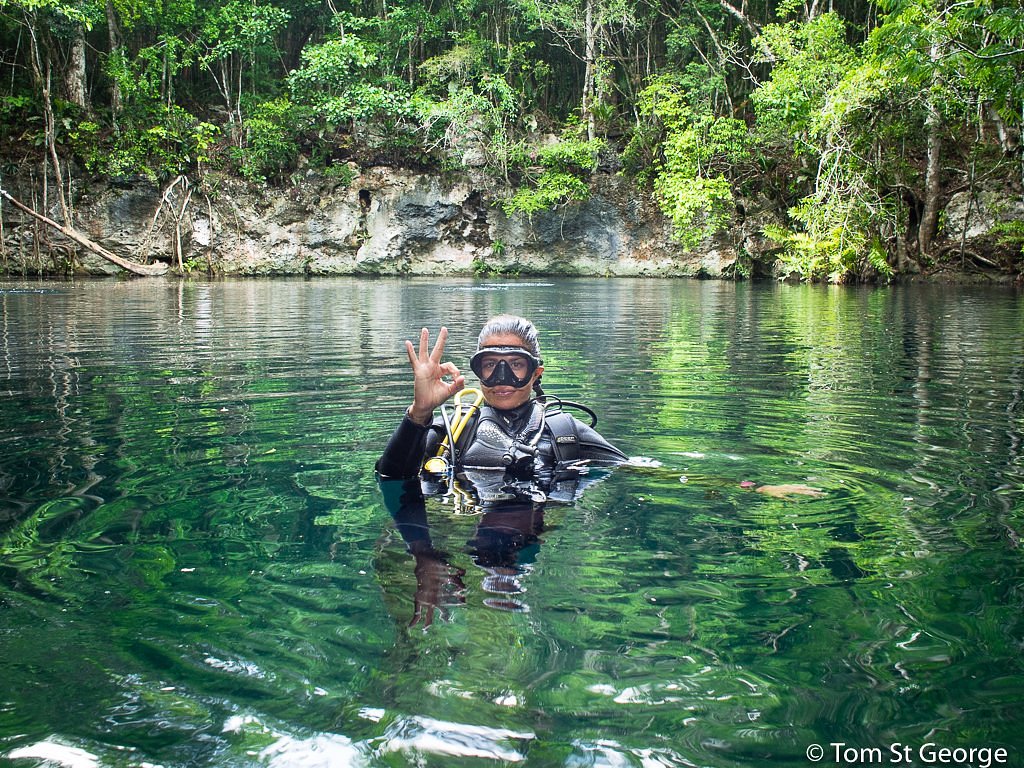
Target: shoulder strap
(565, 439)
(467, 436)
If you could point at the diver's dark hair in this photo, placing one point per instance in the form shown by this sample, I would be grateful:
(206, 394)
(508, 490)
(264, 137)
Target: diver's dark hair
(511, 324)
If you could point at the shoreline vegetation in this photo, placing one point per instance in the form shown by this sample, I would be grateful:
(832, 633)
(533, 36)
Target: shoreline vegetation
(862, 142)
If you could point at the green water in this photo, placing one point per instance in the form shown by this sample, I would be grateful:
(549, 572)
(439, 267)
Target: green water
(197, 569)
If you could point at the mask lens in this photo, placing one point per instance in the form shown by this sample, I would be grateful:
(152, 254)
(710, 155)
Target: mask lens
(508, 367)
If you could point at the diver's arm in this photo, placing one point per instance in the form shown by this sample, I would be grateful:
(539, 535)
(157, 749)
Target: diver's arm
(403, 455)
(438, 583)
(408, 508)
(595, 448)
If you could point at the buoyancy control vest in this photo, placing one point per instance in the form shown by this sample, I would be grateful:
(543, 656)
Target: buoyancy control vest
(535, 452)
(505, 440)
(517, 440)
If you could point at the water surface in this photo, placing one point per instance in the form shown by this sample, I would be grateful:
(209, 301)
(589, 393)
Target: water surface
(197, 569)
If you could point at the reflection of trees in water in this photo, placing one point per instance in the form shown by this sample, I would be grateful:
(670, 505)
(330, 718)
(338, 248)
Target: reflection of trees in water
(873, 391)
(231, 428)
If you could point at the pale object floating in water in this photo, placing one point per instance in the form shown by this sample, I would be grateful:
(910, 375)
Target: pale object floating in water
(790, 489)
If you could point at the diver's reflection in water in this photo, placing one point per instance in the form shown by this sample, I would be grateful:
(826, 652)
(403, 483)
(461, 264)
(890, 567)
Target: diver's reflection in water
(510, 520)
(503, 538)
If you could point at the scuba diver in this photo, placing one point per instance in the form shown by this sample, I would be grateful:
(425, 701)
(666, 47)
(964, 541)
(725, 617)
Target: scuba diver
(500, 452)
(517, 429)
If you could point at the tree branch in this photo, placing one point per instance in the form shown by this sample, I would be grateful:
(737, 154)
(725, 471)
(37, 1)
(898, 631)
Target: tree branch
(158, 268)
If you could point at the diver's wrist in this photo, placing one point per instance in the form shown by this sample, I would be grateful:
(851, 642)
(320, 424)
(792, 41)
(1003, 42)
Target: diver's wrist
(419, 417)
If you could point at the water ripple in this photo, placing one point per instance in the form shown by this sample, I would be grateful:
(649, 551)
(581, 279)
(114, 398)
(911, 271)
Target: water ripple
(821, 542)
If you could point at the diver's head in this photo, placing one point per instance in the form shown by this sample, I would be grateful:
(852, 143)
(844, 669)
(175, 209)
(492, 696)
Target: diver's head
(507, 361)
(505, 325)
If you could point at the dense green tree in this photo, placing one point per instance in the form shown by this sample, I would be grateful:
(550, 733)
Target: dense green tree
(832, 204)
(862, 119)
(880, 137)
(689, 152)
(962, 63)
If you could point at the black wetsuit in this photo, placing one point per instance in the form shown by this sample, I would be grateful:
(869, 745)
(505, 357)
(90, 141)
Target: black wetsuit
(500, 439)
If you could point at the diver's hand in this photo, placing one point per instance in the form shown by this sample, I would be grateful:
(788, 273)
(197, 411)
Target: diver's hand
(438, 586)
(430, 387)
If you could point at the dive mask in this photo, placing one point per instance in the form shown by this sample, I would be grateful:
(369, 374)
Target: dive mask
(504, 366)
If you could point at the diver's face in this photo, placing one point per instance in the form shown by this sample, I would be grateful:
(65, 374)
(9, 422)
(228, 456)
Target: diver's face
(505, 396)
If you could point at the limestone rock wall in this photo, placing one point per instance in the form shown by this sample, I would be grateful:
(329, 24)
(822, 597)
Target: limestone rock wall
(385, 221)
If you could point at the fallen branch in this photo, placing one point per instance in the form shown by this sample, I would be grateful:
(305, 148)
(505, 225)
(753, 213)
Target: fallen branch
(981, 259)
(147, 270)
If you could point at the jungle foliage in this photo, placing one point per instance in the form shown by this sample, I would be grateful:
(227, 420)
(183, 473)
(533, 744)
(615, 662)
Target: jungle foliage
(858, 120)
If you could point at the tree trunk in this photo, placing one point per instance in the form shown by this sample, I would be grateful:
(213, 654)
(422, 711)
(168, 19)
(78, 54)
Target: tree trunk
(741, 15)
(1009, 136)
(590, 75)
(933, 170)
(114, 38)
(69, 232)
(41, 74)
(74, 75)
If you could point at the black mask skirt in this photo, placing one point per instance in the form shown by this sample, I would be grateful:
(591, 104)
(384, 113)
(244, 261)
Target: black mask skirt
(500, 373)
